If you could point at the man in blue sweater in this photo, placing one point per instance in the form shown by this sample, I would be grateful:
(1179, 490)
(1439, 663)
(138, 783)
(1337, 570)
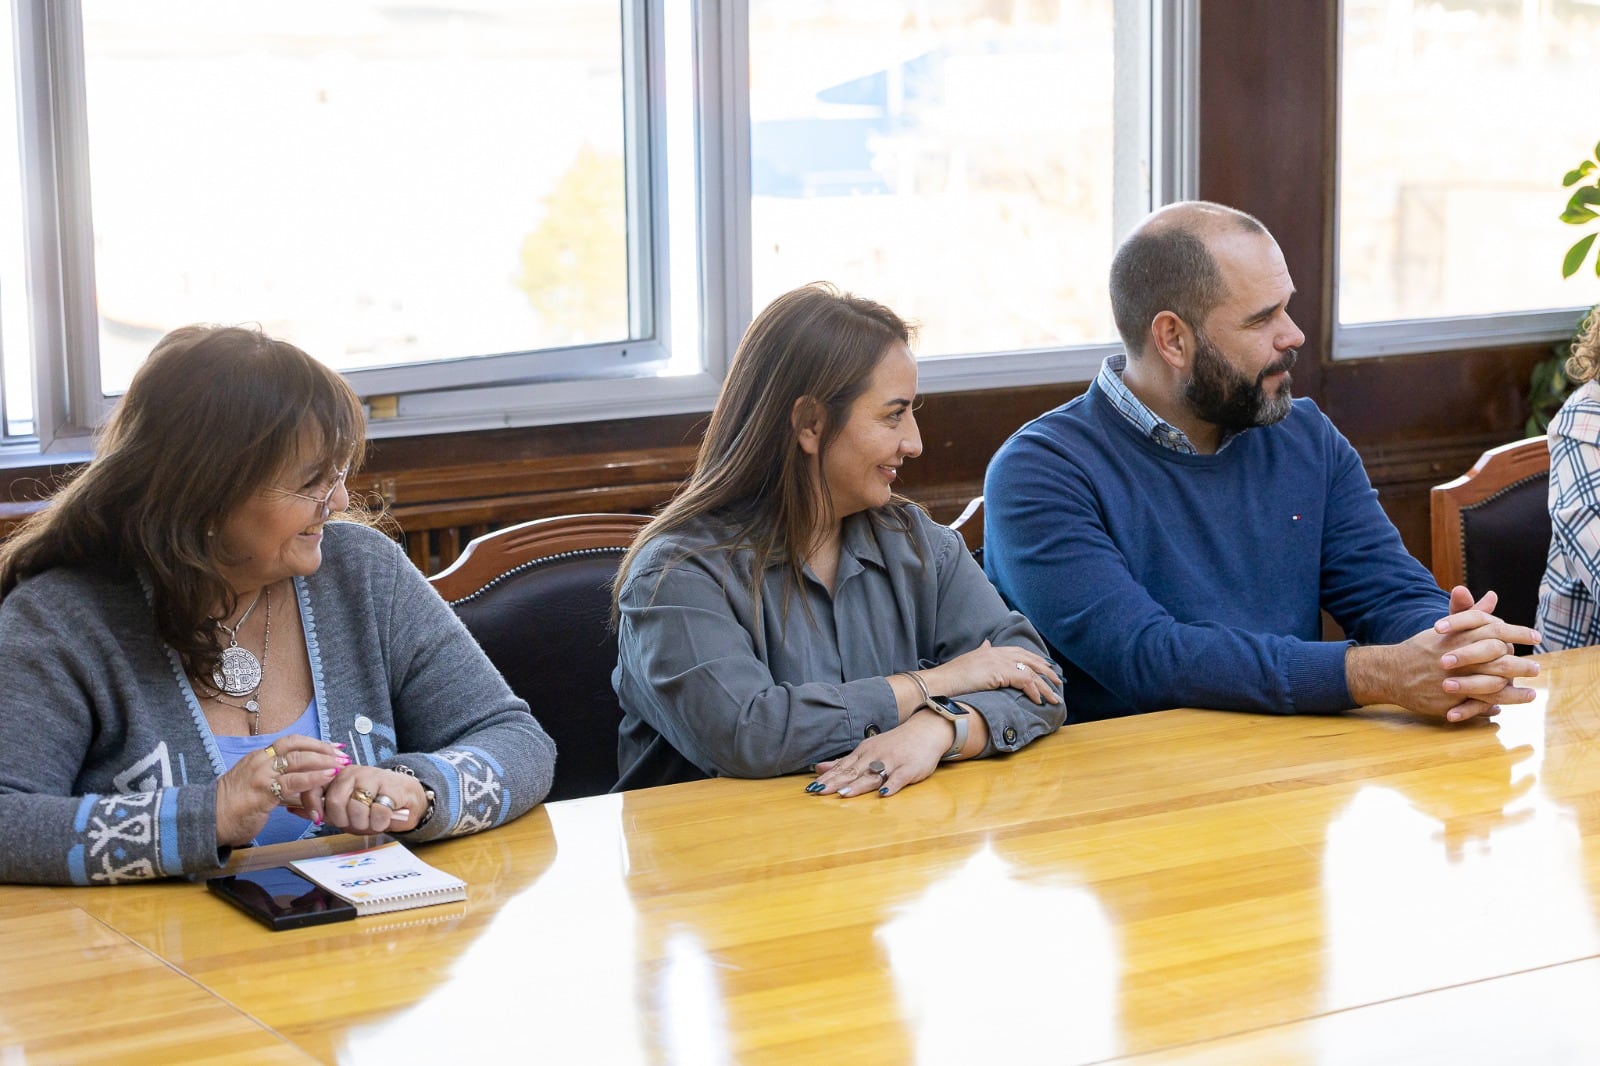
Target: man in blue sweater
(1174, 531)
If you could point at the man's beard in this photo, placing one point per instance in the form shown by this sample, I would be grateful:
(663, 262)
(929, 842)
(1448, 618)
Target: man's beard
(1221, 395)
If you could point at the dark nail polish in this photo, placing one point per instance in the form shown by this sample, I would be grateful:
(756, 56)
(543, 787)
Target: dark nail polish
(815, 786)
(883, 791)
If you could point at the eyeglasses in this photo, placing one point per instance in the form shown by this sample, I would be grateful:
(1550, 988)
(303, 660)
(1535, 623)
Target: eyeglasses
(322, 501)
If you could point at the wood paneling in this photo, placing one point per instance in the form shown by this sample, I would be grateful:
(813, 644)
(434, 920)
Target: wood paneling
(1267, 93)
(439, 507)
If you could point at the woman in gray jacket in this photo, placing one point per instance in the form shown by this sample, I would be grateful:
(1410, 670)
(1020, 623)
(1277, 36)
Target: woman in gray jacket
(788, 610)
(195, 655)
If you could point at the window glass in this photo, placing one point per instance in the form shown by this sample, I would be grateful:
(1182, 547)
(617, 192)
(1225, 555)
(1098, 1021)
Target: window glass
(380, 183)
(16, 368)
(950, 158)
(1458, 119)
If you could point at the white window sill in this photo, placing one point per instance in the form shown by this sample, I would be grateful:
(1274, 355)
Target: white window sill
(1413, 336)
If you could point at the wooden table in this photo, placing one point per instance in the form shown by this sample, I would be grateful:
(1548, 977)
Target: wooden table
(1180, 887)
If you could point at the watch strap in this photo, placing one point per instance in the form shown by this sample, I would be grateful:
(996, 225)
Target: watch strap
(961, 720)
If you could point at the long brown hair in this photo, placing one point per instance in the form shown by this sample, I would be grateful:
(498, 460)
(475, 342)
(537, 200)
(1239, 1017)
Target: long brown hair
(813, 343)
(214, 415)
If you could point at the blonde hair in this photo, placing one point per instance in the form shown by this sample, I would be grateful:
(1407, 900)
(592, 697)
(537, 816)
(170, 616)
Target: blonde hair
(1584, 362)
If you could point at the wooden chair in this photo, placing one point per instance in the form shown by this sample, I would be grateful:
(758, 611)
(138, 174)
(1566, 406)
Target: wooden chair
(1491, 527)
(537, 598)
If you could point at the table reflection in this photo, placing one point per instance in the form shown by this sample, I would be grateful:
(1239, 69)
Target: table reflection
(694, 1025)
(549, 977)
(993, 944)
(1448, 874)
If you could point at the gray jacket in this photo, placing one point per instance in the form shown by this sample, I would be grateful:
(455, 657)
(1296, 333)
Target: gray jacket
(711, 687)
(107, 766)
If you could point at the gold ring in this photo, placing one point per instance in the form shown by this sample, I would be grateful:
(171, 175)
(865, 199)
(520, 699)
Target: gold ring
(280, 763)
(275, 788)
(361, 795)
(270, 751)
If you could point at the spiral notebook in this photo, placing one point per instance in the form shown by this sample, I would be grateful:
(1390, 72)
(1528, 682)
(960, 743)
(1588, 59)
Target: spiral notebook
(384, 878)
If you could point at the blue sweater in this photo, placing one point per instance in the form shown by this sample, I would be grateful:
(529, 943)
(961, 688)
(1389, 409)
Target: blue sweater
(1164, 580)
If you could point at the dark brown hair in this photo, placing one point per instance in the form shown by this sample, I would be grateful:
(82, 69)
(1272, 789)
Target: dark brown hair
(214, 415)
(813, 343)
(1166, 265)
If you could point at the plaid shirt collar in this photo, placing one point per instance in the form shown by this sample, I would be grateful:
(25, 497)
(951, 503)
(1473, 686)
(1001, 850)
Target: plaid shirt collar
(1146, 421)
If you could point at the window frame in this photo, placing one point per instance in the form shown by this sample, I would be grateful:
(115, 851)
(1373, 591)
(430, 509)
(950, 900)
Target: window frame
(538, 387)
(1413, 336)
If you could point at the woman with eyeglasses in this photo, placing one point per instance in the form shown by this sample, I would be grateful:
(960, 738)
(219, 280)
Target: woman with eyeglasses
(199, 650)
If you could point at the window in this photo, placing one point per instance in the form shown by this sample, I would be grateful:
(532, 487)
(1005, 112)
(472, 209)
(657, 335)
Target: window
(957, 161)
(1458, 119)
(16, 367)
(489, 212)
(385, 184)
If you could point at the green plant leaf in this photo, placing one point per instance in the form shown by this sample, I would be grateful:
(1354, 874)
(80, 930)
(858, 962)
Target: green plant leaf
(1575, 254)
(1589, 194)
(1577, 173)
(1577, 215)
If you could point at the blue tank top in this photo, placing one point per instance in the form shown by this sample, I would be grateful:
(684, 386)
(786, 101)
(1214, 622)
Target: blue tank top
(281, 825)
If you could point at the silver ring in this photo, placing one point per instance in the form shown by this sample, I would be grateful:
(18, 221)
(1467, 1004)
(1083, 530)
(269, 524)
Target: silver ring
(1022, 666)
(275, 788)
(280, 763)
(384, 801)
(876, 767)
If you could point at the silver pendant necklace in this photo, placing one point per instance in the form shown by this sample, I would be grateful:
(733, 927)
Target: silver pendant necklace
(239, 672)
(250, 707)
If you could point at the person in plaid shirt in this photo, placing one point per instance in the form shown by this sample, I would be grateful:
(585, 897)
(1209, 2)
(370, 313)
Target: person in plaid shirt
(1568, 615)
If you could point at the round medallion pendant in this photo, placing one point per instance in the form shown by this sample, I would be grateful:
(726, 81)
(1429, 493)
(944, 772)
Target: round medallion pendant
(239, 672)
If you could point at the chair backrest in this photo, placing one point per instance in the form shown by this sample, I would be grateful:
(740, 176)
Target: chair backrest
(537, 597)
(1491, 527)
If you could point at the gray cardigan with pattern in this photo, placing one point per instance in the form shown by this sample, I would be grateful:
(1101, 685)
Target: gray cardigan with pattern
(107, 768)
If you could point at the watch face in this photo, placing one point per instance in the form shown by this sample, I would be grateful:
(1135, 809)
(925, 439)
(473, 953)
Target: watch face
(950, 706)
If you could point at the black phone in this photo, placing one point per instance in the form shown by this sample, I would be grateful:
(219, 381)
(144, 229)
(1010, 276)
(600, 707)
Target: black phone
(279, 898)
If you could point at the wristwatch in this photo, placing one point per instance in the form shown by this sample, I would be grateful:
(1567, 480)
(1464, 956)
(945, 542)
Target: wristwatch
(956, 715)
